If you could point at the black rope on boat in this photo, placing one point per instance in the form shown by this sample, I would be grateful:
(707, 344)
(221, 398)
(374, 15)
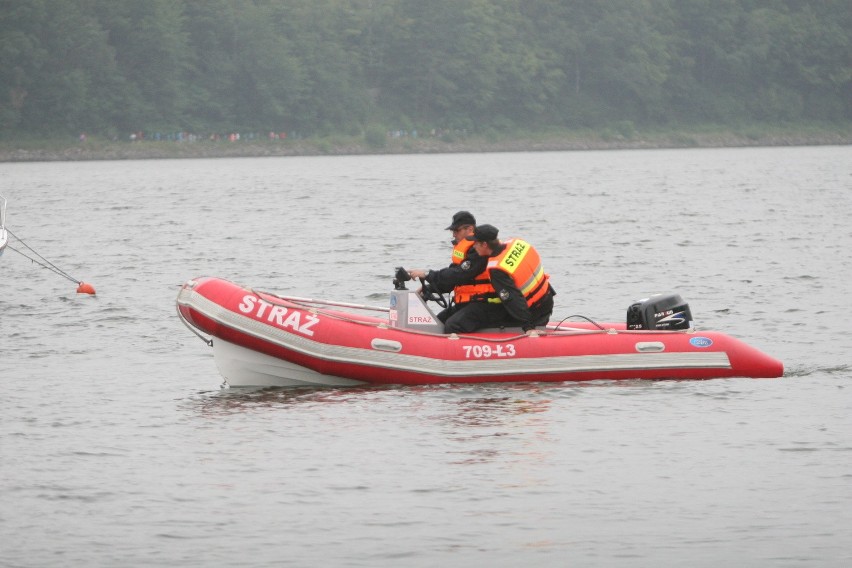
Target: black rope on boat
(209, 342)
(591, 321)
(46, 264)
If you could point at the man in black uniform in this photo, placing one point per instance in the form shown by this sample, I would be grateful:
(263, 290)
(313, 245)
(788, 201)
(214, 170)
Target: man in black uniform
(465, 276)
(507, 305)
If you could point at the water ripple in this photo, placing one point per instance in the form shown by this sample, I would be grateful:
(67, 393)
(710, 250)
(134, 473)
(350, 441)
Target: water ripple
(119, 448)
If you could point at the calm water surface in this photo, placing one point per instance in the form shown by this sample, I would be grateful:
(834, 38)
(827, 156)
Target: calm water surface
(119, 448)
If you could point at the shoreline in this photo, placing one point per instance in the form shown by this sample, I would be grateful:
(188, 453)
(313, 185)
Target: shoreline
(95, 149)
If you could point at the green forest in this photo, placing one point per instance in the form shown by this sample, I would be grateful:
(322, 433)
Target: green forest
(319, 67)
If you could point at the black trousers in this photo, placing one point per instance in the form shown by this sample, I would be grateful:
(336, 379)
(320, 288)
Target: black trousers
(478, 315)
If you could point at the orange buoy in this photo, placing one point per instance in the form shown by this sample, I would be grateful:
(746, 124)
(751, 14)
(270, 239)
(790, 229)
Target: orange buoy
(85, 288)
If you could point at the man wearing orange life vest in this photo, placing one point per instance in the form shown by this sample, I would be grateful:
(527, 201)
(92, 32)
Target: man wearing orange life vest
(523, 295)
(465, 276)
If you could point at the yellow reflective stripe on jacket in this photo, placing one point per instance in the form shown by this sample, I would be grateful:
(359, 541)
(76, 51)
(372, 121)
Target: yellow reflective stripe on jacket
(521, 261)
(513, 256)
(533, 281)
(460, 251)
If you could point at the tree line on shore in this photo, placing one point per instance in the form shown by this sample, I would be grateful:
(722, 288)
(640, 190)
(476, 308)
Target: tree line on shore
(341, 66)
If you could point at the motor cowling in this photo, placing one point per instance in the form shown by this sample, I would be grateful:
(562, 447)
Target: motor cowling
(660, 311)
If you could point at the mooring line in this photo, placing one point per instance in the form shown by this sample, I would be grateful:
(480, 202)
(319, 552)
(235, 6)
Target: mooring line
(82, 288)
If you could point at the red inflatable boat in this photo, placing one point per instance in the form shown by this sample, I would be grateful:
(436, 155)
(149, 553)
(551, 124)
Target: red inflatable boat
(262, 339)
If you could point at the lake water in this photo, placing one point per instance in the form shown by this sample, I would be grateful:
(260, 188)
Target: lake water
(119, 448)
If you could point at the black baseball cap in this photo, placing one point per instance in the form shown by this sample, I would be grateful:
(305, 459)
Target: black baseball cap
(460, 219)
(484, 233)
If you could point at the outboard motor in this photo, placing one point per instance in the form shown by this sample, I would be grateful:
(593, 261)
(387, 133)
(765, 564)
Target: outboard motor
(660, 311)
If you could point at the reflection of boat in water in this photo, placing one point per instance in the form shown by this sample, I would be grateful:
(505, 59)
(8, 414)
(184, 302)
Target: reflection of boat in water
(261, 339)
(4, 234)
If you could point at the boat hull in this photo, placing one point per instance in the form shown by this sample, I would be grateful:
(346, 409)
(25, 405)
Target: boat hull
(260, 339)
(242, 367)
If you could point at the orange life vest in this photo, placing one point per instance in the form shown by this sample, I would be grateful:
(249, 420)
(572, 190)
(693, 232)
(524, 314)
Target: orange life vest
(480, 288)
(521, 261)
